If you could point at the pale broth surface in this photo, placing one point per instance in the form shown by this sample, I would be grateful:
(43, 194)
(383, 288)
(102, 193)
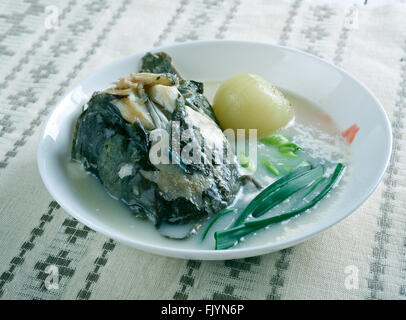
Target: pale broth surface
(313, 130)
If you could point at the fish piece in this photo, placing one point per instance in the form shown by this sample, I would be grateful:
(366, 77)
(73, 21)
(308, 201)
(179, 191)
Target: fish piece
(113, 139)
(164, 96)
(150, 79)
(159, 62)
(133, 108)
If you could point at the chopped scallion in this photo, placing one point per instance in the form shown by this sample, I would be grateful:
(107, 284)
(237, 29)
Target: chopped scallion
(271, 168)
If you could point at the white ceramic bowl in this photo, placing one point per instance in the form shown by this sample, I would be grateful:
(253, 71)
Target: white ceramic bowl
(336, 92)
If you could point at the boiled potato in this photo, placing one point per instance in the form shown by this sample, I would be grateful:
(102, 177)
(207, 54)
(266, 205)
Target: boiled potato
(247, 101)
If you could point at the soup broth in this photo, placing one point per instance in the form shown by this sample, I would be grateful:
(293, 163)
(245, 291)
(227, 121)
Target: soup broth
(311, 129)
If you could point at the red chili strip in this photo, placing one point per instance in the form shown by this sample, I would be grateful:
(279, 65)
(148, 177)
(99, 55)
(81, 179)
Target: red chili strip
(350, 133)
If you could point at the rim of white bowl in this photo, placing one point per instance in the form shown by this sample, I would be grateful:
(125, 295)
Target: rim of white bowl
(212, 254)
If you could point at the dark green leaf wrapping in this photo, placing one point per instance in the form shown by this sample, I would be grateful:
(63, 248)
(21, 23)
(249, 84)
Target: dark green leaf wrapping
(159, 62)
(99, 122)
(117, 152)
(192, 91)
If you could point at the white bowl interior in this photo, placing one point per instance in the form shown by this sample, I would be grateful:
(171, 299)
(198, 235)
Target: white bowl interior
(334, 91)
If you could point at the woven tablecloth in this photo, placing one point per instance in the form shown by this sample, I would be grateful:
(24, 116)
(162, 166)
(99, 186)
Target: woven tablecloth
(47, 46)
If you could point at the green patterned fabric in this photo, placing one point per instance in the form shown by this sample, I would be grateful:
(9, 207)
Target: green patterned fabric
(47, 46)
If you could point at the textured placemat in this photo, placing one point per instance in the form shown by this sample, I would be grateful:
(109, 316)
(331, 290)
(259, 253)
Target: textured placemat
(47, 46)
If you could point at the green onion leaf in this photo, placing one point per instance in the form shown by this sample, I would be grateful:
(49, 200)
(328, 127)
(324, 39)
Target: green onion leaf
(212, 222)
(304, 163)
(268, 190)
(230, 237)
(286, 191)
(314, 186)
